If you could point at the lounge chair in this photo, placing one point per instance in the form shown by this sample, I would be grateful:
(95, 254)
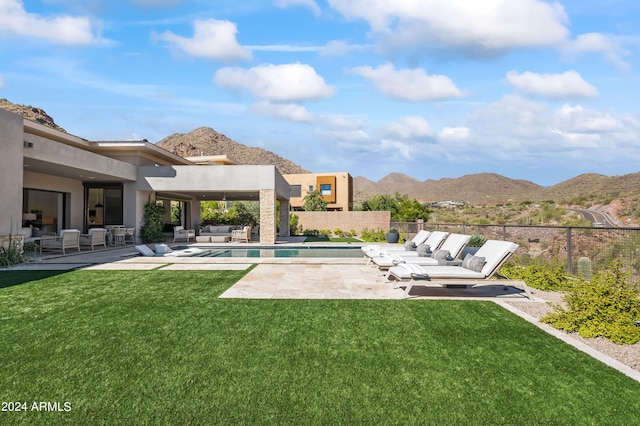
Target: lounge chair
(95, 237)
(453, 245)
(162, 250)
(179, 233)
(68, 238)
(476, 270)
(433, 241)
(418, 239)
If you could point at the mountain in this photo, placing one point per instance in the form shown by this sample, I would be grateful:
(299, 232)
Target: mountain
(477, 188)
(206, 141)
(31, 113)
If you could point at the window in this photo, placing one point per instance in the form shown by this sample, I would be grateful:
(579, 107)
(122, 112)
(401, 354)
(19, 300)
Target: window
(310, 188)
(325, 189)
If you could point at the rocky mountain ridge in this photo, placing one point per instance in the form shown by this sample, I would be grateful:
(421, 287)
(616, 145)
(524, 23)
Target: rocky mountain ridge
(206, 141)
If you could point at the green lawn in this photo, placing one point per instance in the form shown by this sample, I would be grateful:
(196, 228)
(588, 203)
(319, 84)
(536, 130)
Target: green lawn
(158, 347)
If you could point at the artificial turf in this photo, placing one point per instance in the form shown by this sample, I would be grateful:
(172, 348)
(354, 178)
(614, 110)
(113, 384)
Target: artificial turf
(159, 347)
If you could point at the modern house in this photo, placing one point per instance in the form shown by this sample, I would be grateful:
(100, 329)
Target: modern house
(54, 180)
(335, 188)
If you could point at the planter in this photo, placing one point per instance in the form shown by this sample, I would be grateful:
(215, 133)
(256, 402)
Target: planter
(468, 250)
(393, 237)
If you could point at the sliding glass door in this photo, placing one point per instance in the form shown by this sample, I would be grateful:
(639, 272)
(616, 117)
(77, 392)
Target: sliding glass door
(103, 205)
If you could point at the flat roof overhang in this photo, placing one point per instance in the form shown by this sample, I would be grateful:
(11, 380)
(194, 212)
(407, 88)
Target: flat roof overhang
(213, 183)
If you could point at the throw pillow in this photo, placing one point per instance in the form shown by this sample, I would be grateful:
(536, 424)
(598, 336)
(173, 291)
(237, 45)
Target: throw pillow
(424, 250)
(474, 263)
(441, 254)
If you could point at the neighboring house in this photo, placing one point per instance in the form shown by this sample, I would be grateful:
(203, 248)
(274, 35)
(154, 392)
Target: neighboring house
(335, 188)
(55, 180)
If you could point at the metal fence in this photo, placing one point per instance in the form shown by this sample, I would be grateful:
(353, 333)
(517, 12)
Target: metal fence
(584, 250)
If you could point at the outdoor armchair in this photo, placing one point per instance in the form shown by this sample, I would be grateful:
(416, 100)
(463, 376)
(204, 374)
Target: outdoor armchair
(179, 233)
(95, 237)
(68, 238)
(243, 234)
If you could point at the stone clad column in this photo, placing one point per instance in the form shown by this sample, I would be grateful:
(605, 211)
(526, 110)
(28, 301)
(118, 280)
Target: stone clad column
(284, 218)
(267, 216)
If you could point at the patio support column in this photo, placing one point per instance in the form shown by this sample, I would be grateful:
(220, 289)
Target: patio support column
(284, 218)
(267, 216)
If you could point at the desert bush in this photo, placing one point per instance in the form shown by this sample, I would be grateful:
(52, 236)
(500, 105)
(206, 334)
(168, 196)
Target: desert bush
(546, 275)
(605, 306)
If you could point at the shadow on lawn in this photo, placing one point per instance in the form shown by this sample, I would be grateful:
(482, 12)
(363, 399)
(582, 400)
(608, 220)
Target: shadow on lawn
(11, 278)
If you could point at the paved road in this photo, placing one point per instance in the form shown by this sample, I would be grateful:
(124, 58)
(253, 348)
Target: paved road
(596, 217)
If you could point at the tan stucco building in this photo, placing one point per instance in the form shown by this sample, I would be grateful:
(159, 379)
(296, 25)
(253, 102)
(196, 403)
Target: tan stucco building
(335, 188)
(61, 181)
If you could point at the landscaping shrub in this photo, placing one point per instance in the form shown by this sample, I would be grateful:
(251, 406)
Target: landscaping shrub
(546, 275)
(605, 306)
(373, 235)
(153, 220)
(13, 252)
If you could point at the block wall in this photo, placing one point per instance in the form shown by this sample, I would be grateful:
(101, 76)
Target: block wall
(344, 220)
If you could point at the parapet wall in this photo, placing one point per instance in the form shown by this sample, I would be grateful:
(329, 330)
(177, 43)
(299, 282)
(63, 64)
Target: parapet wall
(345, 220)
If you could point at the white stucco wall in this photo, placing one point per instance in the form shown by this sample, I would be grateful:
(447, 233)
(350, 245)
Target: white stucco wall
(11, 166)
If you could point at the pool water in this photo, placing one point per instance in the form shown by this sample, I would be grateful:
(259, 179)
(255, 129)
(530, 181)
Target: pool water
(311, 251)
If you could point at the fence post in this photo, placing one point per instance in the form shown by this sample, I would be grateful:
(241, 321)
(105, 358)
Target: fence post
(569, 251)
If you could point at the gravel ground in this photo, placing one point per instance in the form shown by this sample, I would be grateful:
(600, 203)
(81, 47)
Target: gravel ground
(626, 354)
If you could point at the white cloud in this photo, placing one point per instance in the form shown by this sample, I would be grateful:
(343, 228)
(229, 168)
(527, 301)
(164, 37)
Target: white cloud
(69, 30)
(311, 4)
(409, 84)
(212, 39)
(288, 82)
(340, 48)
(287, 111)
(579, 120)
(479, 27)
(408, 128)
(1, 82)
(609, 46)
(567, 85)
(454, 133)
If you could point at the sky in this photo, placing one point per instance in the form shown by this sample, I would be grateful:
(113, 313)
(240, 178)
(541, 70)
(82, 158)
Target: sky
(529, 89)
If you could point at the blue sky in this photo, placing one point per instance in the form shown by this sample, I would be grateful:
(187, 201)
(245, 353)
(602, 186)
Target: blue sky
(529, 89)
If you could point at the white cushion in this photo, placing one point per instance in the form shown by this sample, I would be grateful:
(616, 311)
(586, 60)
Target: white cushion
(144, 250)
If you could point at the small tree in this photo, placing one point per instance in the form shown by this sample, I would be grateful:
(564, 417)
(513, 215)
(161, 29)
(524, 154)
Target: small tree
(313, 202)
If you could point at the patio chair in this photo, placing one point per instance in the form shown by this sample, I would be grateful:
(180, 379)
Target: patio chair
(95, 237)
(475, 270)
(68, 238)
(179, 233)
(243, 234)
(449, 250)
(130, 236)
(118, 235)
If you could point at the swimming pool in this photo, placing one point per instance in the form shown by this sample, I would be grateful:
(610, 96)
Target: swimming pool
(298, 251)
